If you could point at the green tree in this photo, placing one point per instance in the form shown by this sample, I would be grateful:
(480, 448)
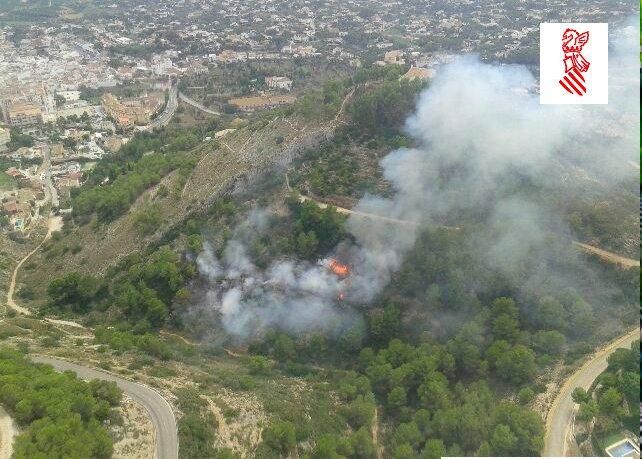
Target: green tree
(284, 348)
(360, 411)
(106, 390)
(307, 244)
(58, 415)
(361, 444)
(588, 410)
(525, 395)
(580, 395)
(74, 291)
(280, 436)
(503, 441)
(517, 366)
(550, 314)
(609, 401)
(434, 393)
(384, 324)
(260, 365)
(433, 449)
(526, 425)
(407, 433)
(404, 451)
(396, 398)
(326, 448)
(60, 100)
(549, 342)
(629, 385)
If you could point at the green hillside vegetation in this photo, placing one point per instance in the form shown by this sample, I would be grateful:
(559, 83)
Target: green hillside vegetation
(116, 182)
(148, 291)
(141, 290)
(61, 416)
(447, 358)
(347, 165)
(438, 383)
(612, 403)
(383, 110)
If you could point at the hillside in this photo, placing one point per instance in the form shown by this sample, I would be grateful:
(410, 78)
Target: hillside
(222, 167)
(445, 296)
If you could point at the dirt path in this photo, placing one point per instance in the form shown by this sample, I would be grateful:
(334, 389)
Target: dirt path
(343, 106)
(343, 210)
(375, 434)
(223, 433)
(54, 224)
(7, 433)
(179, 337)
(196, 105)
(562, 413)
(67, 323)
(608, 256)
(605, 255)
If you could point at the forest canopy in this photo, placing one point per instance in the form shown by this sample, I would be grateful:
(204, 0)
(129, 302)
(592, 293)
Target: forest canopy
(60, 415)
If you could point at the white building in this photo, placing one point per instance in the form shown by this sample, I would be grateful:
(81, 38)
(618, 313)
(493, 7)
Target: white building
(278, 82)
(161, 65)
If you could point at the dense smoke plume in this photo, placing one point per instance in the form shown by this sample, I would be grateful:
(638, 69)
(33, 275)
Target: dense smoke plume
(292, 296)
(477, 125)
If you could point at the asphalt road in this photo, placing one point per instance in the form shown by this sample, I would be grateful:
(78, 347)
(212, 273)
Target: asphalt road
(562, 413)
(167, 114)
(159, 410)
(195, 104)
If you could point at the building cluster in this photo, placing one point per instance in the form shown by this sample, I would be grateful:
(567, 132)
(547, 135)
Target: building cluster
(72, 81)
(43, 67)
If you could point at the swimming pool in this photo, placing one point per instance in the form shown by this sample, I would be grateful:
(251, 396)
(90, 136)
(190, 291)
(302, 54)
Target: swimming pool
(624, 449)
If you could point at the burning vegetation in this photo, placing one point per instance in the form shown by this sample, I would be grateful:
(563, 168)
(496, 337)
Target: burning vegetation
(338, 268)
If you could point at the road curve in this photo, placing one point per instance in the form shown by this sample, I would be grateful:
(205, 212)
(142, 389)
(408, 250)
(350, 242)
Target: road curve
(560, 416)
(159, 410)
(165, 117)
(196, 105)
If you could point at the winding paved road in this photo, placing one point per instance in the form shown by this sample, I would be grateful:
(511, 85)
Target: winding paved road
(159, 410)
(562, 413)
(167, 114)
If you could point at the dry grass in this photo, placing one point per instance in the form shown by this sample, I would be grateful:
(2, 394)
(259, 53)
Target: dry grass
(135, 438)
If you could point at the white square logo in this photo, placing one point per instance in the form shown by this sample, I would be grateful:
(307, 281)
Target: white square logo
(574, 63)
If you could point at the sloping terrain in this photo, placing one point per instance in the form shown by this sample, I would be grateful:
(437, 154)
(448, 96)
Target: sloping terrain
(223, 167)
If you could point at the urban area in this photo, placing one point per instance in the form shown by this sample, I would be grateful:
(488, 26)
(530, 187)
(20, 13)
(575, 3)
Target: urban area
(314, 229)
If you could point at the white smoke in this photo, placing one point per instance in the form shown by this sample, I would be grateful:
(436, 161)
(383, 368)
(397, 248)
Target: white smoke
(485, 122)
(291, 296)
(479, 124)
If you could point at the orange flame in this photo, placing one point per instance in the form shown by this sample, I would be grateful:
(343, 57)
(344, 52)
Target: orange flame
(339, 269)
